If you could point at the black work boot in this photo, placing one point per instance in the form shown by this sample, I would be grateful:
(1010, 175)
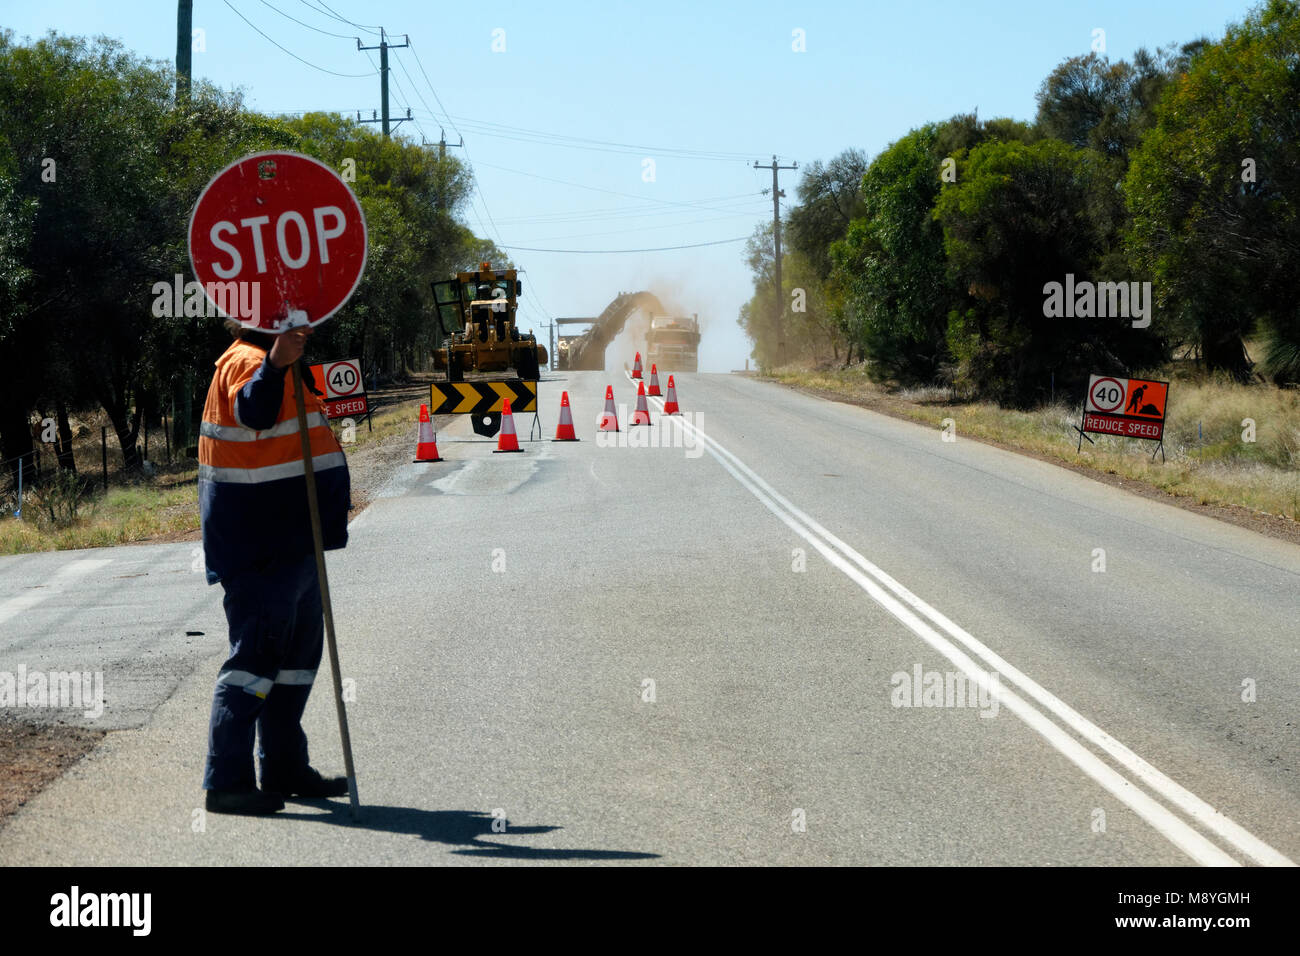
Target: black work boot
(251, 803)
(305, 782)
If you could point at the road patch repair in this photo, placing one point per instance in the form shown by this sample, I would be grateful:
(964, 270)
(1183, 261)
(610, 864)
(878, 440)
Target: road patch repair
(32, 755)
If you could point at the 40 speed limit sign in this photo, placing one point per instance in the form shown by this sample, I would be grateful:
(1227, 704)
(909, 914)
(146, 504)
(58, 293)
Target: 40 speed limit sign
(344, 389)
(343, 379)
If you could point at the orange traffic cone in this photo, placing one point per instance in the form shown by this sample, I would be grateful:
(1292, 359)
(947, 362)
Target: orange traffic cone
(654, 381)
(507, 440)
(609, 420)
(564, 430)
(642, 414)
(670, 403)
(636, 366)
(426, 448)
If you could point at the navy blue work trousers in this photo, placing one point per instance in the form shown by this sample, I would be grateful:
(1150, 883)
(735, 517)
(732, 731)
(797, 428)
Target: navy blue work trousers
(276, 634)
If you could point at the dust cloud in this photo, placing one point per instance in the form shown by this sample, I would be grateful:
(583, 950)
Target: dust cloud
(683, 297)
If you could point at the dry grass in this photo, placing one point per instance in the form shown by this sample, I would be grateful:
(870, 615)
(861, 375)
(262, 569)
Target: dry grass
(165, 504)
(1208, 460)
(391, 421)
(148, 508)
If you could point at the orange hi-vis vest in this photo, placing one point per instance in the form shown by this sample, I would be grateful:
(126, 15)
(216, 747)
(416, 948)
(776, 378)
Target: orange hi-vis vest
(252, 485)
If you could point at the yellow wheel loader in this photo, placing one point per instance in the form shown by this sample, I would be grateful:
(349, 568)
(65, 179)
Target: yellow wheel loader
(477, 314)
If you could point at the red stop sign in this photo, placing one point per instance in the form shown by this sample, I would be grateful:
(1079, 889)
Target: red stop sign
(277, 232)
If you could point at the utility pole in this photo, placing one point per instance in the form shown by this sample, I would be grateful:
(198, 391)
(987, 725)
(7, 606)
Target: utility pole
(442, 143)
(181, 433)
(184, 48)
(383, 81)
(777, 194)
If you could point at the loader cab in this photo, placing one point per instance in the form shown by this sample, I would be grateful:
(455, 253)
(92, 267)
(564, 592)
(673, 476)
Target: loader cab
(485, 299)
(492, 307)
(451, 308)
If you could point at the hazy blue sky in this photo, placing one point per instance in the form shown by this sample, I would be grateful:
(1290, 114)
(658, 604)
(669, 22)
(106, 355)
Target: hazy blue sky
(702, 88)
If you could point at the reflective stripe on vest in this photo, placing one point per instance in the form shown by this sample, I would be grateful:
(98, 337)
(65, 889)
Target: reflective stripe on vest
(238, 433)
(231, 452)
(289, 469)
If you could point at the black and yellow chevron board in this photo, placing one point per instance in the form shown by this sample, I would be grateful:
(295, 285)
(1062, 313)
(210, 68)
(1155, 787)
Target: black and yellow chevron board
(465, 398)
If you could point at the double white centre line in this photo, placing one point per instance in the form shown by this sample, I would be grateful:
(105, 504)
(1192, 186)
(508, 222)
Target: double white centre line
(927, 623)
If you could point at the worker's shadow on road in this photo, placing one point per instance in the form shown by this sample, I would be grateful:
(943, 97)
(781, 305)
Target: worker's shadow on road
(471, 830)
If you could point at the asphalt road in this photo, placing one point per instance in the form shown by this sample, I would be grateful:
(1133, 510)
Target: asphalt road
(705, 652)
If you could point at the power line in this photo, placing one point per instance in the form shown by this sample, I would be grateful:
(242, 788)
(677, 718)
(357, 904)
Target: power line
(343, 36)
(612, 192)
(469, 161)
(635, 220)
(563, 141)
(605, 252)
(482, 198)
(724, 154)
(747, 208)
(649, 206)
(478, 188)
(331, 12)
(663, 225)
(292, 54)
(436, 98)
(504, 131)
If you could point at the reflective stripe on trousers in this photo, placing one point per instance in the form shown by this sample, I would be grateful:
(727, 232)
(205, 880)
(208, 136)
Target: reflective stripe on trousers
(296, 677)
(260, 686)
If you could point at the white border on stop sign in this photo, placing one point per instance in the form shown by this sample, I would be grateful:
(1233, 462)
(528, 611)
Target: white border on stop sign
(361, 213)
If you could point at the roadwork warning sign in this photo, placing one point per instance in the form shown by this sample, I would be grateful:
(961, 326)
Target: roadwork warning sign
(345, 392)
(1127, 407)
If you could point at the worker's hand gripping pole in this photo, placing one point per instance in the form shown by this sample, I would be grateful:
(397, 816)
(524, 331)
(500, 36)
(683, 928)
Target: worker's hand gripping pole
(314, 507)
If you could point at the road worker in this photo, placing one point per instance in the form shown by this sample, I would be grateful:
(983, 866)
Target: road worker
(257, 541)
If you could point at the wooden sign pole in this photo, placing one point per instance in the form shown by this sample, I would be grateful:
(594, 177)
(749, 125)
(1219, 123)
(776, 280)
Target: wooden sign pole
(319, 539)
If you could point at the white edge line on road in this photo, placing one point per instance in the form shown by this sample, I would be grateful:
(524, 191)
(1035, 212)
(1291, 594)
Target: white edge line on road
(1188, 840)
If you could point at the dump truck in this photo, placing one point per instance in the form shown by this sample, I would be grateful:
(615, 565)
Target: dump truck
(565, 343)
(477, 313)
(673, 343)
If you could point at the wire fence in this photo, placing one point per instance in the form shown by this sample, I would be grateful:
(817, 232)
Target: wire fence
(100, 464)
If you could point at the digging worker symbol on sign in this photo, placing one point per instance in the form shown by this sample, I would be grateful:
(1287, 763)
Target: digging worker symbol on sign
(1135, 402)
